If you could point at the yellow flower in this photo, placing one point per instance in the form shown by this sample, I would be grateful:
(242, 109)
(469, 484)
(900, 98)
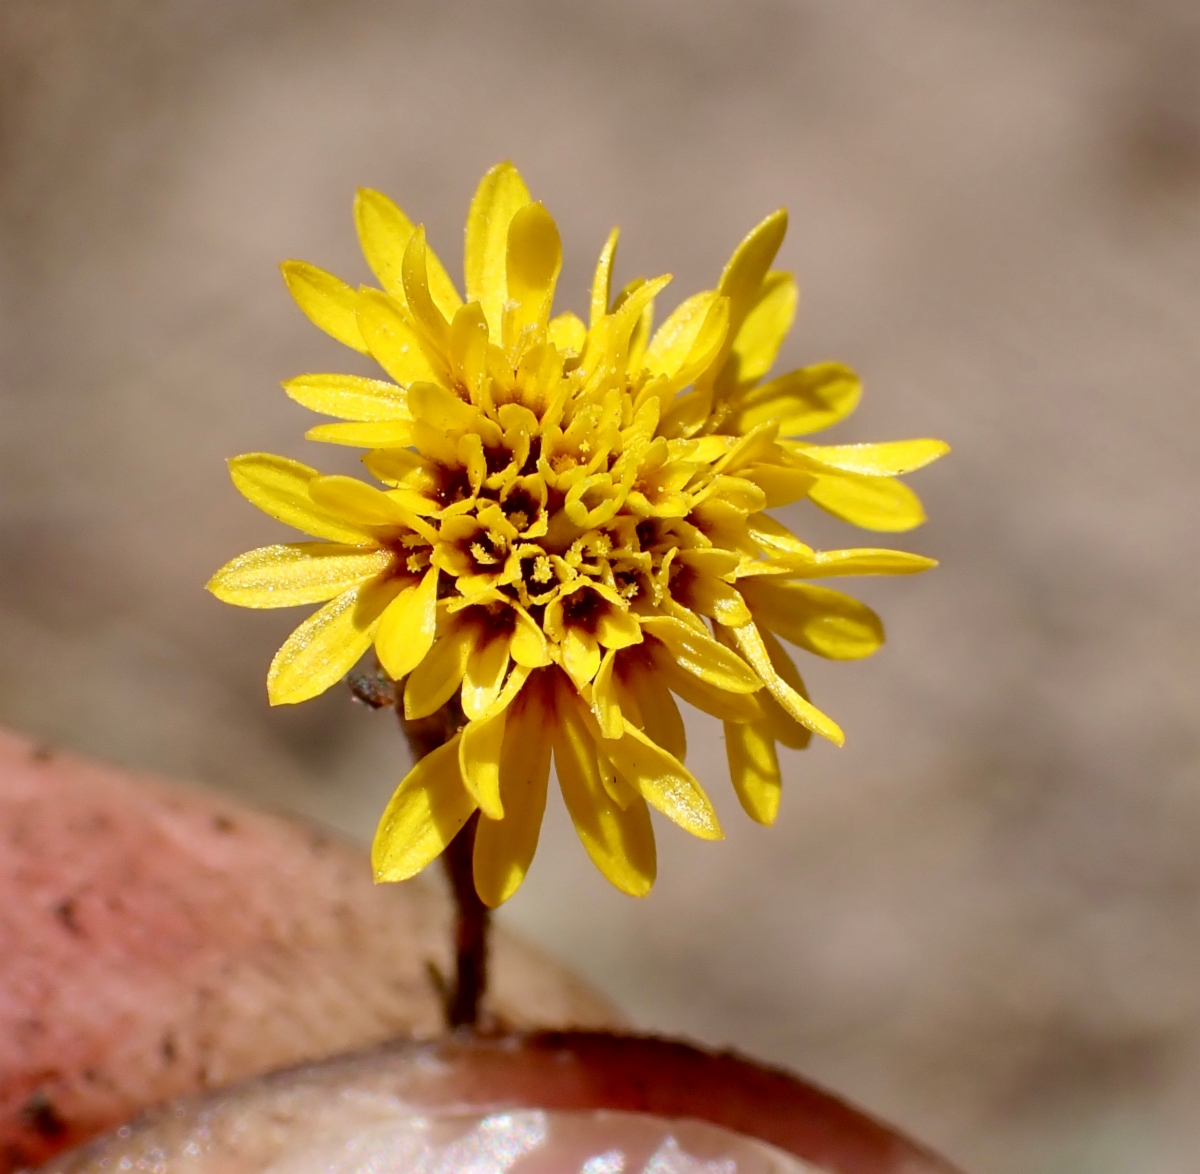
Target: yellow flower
(573, 533)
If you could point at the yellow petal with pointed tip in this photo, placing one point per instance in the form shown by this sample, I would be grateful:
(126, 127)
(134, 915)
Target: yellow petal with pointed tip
(742, 280)
(777, 721)
(407, 628)
(504, 849)
(327, 301)
(762, 332)
(890, 459)
(427, 811)
(701, 655)
(619, 842)
(479, 762)
(750, 643)
(328, 644)
(818, 619)
(803, 401)
(280, 488)
(664, 782)
(602, 281)
(392, 339)
(297, 573)
(754, 769)
(384, 232)
(874, 503)
(500, 195)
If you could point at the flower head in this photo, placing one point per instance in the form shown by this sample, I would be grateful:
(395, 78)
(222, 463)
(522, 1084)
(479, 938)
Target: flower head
(572, 531)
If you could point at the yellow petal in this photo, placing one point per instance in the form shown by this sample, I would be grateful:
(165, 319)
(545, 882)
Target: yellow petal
(673, 340)
(504, 849)
(484, 675)
(664, 782)
(803, 401)
(528, 641)
(750, 643)
(618, 629)
(441, 409)
(534, 259)
(620, 842)
(737, 707)
(327, 301)
(702, 656)
(889, 459)
(427, 811)
(818, 619)
(780, 484)
(513, 685)
(479, 762)
(621, 793)
(384, 434)
(774, 537)
(350, 397)
(434, 681)
(742, 280)
(392, 340)
(714, 597)
(779, 723)
(501, 193)
(602, 281)
(606, 704)
(874, 503)
(825, 564)
(568, 333)
(406, 629)
(296, 573)
(280, 488)
(426, 316)
(762, 332)
(384, 232)
(581, 655)
(754, 769)
(661, 718)
(356, 501)
(328, 644)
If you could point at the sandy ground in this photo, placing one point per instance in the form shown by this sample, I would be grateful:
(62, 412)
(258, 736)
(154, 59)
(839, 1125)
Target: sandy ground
(981, 918)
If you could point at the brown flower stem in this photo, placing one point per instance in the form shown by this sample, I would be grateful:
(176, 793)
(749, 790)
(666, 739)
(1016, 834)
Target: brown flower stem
(473, 918)
(471, 931)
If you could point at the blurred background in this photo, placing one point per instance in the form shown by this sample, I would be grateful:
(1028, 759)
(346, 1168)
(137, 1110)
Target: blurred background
(982, 917)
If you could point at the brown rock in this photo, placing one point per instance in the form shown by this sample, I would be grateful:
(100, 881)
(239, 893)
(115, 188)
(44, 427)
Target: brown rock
(159, 941)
